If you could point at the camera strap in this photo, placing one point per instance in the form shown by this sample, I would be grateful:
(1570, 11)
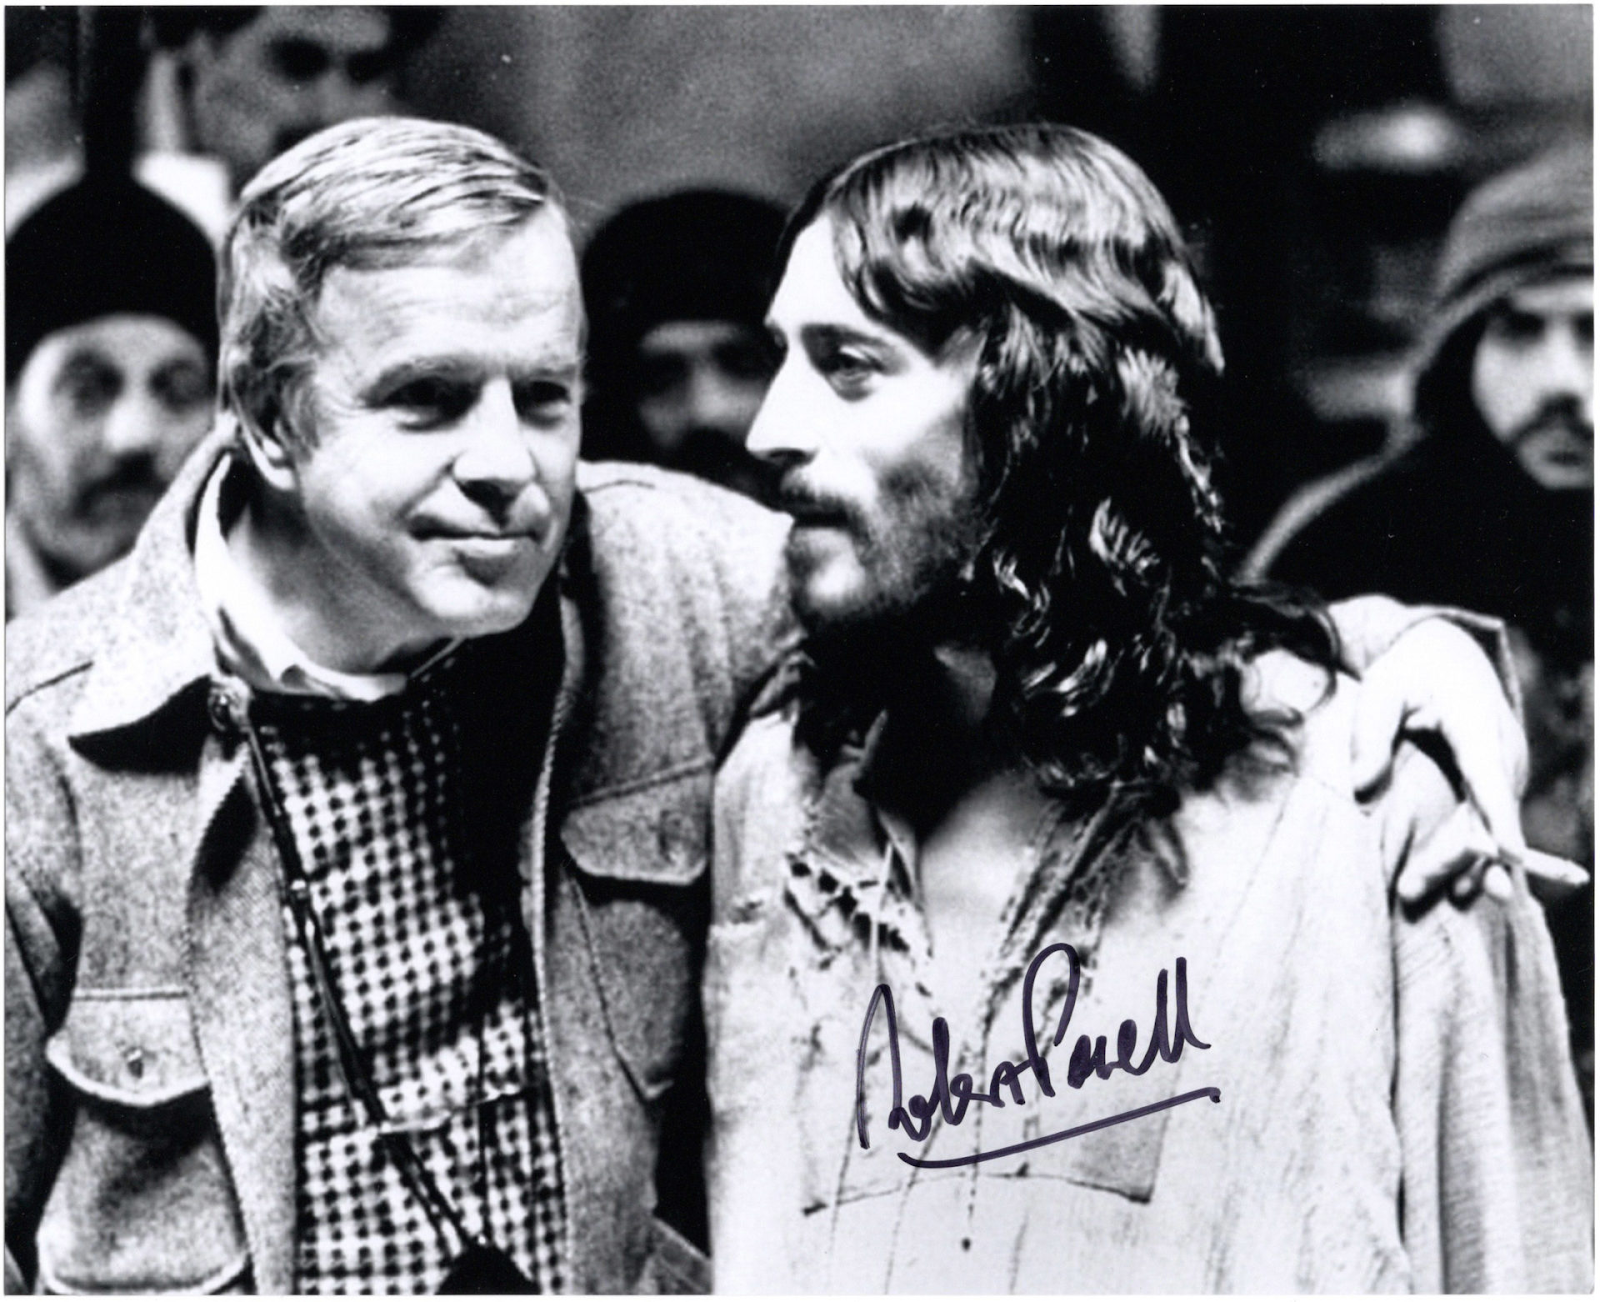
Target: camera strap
(479, 1267)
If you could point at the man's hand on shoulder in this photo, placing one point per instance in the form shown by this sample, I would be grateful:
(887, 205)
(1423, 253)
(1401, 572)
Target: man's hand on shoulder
(1435, 687)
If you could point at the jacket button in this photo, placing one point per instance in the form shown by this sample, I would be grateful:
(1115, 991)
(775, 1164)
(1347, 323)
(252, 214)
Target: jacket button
(225, 708)
(674, 837)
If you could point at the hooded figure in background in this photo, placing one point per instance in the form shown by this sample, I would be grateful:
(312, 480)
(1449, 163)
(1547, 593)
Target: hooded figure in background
(676, 288)
(1492, 507)
(111, 342)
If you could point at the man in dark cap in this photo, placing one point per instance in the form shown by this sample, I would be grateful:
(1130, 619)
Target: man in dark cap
(1492, 507)
(676, 288)
(110, 359)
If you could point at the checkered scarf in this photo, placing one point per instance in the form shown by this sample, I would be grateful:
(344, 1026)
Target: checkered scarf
(430, 963)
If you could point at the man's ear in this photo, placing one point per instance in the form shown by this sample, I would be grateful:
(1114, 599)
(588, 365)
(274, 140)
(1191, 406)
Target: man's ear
(266, 442)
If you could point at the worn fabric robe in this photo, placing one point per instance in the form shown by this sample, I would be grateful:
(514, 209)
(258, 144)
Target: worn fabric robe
(1397, 1108)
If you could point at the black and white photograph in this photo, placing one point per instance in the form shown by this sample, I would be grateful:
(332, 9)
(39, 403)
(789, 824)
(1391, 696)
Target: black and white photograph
(799, 649)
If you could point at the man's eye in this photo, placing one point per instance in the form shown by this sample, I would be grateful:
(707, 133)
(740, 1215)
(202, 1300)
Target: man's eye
(747, 360)
(1512, 327)
(364, 68)
(544, 401)
(181, 387)
(661, 375)
(432, 402)
(848, 371)
(90, 389)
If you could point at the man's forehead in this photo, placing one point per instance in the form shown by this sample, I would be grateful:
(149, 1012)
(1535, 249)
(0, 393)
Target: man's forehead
(813, 299)
(812, 291)
(533, 257)
(122, 337)
(459, 295)
(693, 335)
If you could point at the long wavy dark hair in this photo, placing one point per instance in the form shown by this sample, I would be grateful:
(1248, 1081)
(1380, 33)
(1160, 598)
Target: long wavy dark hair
(1098, 586)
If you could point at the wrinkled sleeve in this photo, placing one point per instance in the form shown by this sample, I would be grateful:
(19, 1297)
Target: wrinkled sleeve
(747, 560)
(40, 851)
(1497, 1169)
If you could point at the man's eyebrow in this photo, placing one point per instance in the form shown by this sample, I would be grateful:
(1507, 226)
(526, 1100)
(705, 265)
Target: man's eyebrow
(411, 369)
(555, 365)
(1509, 313)
(87, 355)
(80, 360)
(179, 363)
(832, 336)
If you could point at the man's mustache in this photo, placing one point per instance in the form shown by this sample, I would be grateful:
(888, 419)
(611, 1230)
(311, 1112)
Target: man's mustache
(810, 505)
(1560, 414)
(130, 476)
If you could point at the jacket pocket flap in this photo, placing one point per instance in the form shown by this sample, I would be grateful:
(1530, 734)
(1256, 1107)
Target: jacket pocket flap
(655, 832)
(231, 1277)
(133, 1049)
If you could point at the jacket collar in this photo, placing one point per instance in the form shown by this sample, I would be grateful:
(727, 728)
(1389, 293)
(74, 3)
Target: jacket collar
(156, 642)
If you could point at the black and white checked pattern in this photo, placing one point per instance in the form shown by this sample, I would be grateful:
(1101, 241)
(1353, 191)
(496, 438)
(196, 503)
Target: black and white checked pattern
(421, 960)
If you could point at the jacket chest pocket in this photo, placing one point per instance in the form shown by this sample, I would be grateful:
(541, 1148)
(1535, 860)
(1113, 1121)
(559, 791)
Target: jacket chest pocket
(640, 860)
(142, 1202)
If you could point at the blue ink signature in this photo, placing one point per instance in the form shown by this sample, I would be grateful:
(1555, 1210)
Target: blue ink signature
(951, 1095)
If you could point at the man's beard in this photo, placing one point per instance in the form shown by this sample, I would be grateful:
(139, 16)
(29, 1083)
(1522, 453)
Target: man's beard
(934, 610)
(916, 575)
(1557, 427)
(103, 520)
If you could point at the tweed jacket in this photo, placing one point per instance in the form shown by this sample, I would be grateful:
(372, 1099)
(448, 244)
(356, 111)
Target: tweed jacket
(150, 1089)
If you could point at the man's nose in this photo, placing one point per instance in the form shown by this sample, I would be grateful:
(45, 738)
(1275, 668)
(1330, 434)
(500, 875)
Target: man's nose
(781, 429)
(495, 457)
(723, 404)
(1566, 363)
(135, 426)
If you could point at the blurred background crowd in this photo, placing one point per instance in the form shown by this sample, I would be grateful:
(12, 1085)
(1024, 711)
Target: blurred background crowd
(1316, 156)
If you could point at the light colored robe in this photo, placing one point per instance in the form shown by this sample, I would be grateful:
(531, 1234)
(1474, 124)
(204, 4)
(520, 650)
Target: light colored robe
(1397, 1104)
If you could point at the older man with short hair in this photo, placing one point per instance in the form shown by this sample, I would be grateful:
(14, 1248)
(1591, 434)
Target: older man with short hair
(355, 825)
